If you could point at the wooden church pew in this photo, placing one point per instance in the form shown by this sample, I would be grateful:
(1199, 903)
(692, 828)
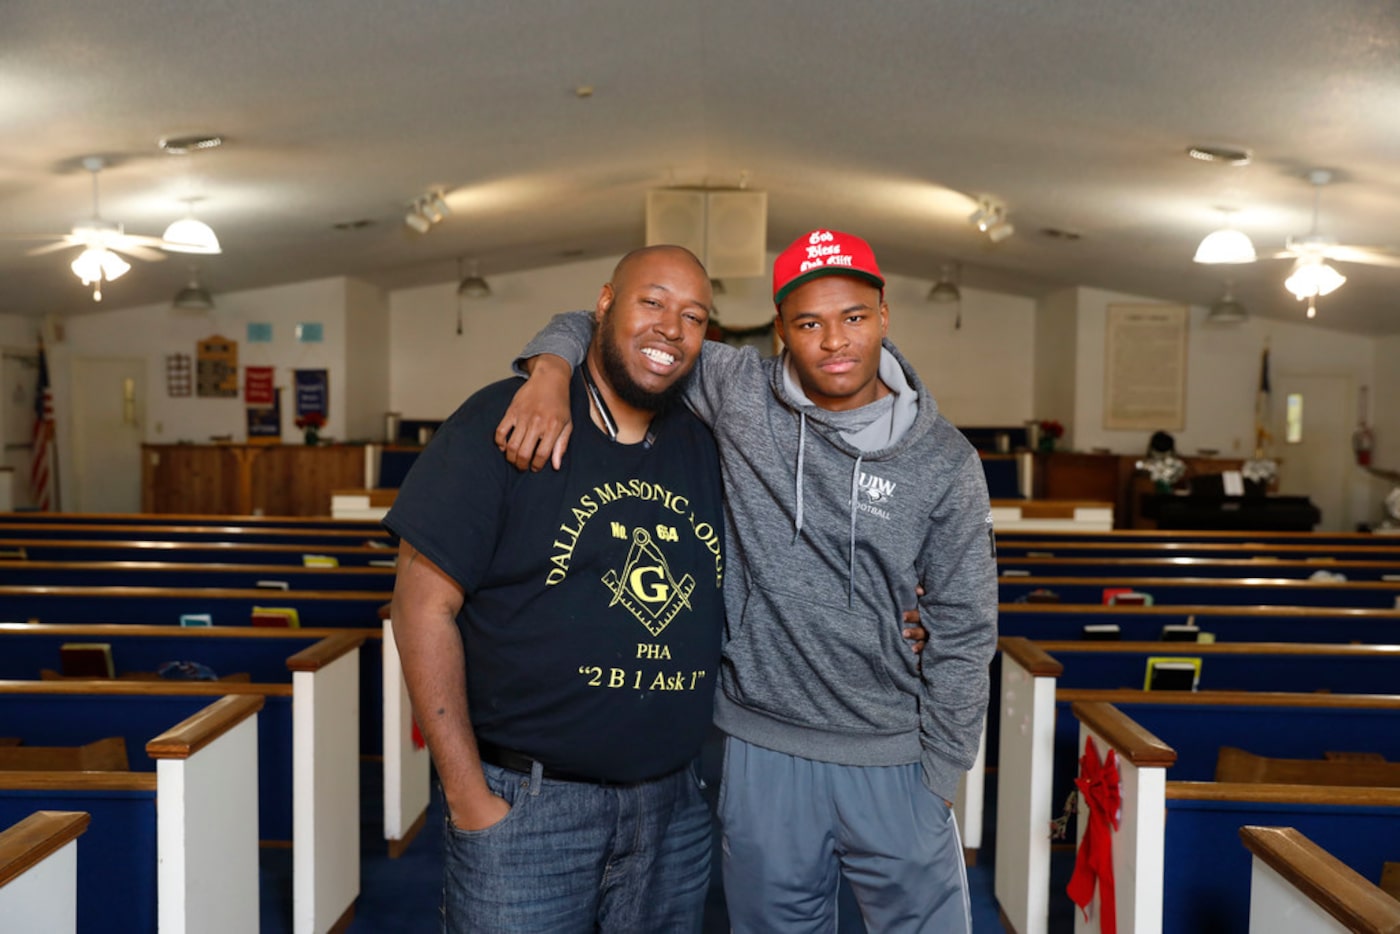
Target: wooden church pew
(307, 762)
(1223, 537)
(1377, 548)
(227, 552)
(262, 654)
(1237, 567)
(1298, 887)
(1036, 738)
(1258, 591)
(191, 574)
(39, 872)
(174, 848)
(160, 605)
(1066, 621)
(213, 531)
(1178, 867)
(178, 519)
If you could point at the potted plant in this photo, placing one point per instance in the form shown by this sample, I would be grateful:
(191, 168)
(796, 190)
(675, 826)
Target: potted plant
(1050, 432)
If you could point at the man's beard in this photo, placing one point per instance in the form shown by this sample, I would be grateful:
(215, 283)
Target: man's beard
(626, 388)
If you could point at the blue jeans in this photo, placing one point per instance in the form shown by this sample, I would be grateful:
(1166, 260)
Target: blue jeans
(575, 857)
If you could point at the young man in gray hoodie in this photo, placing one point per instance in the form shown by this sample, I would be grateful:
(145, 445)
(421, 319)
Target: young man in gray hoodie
(844, 488)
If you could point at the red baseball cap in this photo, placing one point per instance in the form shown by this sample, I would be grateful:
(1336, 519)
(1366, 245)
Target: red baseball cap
(824, 253)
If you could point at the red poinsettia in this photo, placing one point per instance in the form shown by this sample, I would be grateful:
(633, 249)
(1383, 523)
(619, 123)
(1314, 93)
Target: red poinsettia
(1052, 429)
(311, 420)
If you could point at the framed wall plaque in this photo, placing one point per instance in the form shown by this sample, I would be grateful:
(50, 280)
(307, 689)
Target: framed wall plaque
(1145, 367)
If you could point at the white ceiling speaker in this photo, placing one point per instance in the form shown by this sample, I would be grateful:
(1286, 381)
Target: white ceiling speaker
(727, 229)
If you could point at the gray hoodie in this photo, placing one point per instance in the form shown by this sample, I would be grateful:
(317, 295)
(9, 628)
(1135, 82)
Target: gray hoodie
(832, 519)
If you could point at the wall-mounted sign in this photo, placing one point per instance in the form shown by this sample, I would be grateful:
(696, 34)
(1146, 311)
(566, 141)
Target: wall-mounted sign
(257, 385)
(312, 392)
(217, 367)
(259, 332)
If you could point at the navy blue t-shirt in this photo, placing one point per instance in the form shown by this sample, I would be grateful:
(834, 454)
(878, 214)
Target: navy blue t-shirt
(593, 611)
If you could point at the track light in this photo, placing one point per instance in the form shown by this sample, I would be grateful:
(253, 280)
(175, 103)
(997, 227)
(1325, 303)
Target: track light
(990, 219)
(428, 210)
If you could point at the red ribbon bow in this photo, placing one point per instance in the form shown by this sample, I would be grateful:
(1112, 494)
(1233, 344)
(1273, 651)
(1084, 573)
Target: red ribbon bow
(1102, 790)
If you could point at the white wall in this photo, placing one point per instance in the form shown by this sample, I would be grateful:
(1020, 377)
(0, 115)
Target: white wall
(366, 359)
(153, 331)
(19, 336)
(432, 369)
(1012, 359)
(1222, 375)
(1056, 362)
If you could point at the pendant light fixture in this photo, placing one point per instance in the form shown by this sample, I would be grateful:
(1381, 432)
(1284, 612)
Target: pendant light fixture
(1226, 245)
(1227, 310)
(473, 286)
(190, 235)
(193, 297)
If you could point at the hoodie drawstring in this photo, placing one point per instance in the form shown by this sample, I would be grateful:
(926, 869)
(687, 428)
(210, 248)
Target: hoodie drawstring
(801, 448)
(851, 564)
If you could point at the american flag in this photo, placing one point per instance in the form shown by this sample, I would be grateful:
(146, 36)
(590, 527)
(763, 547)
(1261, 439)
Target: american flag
(42, 485)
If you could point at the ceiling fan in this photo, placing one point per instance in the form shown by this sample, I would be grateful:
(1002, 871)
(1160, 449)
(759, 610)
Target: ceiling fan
(101, 241)
(1312, 276)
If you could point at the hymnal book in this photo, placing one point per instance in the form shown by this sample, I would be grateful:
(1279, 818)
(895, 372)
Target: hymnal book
(196, 619)
(1101, 632)
(1172, 674)
(1042, 595)
(1125, 596)
(272, 585)
(276, 617)
(86, 660)
(1180, 632)
(320, 561)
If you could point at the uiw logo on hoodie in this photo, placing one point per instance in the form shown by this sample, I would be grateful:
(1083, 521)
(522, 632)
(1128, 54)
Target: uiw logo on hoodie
(875, 492)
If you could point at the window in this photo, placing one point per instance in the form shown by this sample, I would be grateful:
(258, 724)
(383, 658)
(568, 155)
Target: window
(1293, 430)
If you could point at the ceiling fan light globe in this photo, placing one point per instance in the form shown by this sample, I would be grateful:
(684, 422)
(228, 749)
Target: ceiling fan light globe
(1312, 278)
(88, 266)
(188, 235)
(113, 266)
(1226, 245)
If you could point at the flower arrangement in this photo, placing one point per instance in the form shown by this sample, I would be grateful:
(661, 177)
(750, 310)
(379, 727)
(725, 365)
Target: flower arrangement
(1259, 469)
(1164, 469)
(1051, 429)
(311, 424)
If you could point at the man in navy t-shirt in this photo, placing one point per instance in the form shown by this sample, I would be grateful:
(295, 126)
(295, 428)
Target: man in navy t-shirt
(560, 632)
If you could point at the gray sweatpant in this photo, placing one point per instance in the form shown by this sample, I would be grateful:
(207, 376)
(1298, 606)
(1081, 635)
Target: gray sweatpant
(790, 825)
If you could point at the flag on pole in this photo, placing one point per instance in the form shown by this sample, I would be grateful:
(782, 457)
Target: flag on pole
(1263, 406)
(42, 482)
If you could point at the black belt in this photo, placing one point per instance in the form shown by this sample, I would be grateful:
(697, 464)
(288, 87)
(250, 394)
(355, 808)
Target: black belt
(493, 754)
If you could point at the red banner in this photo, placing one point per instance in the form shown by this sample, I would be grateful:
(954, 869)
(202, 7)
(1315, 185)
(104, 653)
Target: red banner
(257, 385)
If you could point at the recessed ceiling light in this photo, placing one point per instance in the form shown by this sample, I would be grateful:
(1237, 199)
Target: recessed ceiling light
(1224, 155)
(583, 90)
(1059, 233)
(184, 145)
